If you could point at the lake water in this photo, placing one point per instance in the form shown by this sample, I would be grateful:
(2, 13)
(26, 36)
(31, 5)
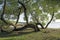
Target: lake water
(54, 25)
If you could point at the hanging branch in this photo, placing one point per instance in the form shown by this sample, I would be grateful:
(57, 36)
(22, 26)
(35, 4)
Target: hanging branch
(24, 11)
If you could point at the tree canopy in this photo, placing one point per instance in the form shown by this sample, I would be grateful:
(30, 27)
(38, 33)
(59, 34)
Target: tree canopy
(38, 9)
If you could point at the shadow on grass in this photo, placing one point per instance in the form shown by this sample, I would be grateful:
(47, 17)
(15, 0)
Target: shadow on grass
(14, 33)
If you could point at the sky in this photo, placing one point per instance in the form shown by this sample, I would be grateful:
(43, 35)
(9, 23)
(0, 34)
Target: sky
(21, 18)
(0, 6)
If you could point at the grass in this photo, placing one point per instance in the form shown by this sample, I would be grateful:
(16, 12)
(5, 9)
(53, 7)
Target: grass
(43, 34)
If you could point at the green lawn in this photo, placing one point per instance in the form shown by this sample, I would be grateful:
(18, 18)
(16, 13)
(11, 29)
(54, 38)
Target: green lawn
(44, 34)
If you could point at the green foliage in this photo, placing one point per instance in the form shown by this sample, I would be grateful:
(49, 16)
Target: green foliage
(58, 16)
(2, 23)
(1, 1)
(48, 6)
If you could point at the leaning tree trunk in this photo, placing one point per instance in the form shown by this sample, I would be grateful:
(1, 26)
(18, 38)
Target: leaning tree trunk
(50, 20)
